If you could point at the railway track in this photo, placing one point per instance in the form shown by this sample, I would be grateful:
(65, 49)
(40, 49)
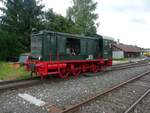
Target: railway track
(130, 63)
(133, 91)
(123, 66)
(143, 106)
(16, 84)
(127, 66)
(131, 108)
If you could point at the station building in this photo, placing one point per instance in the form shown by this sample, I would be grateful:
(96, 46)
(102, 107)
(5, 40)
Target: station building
(126, 51)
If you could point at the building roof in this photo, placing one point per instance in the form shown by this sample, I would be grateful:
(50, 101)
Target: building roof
(127, 48)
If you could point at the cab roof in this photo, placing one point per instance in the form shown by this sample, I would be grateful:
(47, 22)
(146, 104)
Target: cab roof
(97, 36)
(105, 37)
(64, 34)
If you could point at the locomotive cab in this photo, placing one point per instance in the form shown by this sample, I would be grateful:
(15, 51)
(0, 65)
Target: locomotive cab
(105, 44)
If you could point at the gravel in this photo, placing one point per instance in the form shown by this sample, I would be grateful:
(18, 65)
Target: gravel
(143, 106)
(119, 100)
(115, 102)
(63, 93)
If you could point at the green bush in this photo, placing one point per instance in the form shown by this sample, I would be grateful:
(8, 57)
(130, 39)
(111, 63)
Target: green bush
(9, 71)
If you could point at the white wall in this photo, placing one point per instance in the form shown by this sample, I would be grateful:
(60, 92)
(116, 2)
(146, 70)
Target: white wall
(118, 54)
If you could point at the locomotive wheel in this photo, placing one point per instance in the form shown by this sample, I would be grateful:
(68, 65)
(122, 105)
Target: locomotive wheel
(84, 68)
(63, 73)
(99, 68)
(76, 72)
(94, 68)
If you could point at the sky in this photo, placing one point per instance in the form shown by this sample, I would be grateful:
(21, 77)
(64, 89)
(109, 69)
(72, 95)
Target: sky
(126, 20)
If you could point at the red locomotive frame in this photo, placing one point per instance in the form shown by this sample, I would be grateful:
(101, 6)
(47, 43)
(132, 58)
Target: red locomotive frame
(65, 68)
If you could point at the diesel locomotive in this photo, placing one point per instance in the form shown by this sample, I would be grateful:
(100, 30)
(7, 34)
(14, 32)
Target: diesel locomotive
(64, 55)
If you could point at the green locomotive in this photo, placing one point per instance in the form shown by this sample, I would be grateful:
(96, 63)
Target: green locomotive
(63, 54)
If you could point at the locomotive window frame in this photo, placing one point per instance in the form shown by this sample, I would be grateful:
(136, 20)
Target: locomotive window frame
(106, 42)
(73, 46)
(36, 45)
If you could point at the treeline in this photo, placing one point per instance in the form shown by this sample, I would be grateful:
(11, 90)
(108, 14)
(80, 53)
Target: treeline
(21, 17)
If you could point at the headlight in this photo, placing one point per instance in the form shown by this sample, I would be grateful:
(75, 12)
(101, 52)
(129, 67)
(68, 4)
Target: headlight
(39, 58)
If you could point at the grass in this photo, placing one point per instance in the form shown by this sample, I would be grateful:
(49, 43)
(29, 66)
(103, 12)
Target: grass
(11, 71)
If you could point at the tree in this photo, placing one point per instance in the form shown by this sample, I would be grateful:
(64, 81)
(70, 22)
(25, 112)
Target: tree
(20, 17)
(9, 45)
(82, 14)
(56, 22)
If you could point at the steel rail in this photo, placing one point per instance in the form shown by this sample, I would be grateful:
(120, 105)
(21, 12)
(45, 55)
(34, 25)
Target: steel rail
(15, 81)
(19, 84)
(138, 100)
(73, 108)
(130, 64)
(126, 67)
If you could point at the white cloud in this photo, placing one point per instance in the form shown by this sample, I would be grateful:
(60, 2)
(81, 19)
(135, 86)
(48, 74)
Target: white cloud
(125, 19)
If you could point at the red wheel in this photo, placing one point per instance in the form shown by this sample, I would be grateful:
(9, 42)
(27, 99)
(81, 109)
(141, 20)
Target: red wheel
(84, 68)
(94, 68)
(63, 73)
(99, 68)
(76, 71)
